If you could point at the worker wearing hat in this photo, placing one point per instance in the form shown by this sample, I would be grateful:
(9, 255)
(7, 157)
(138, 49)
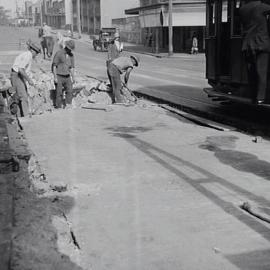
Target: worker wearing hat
(20, 75)
(114, 49)
(63, 71)
(121, 65)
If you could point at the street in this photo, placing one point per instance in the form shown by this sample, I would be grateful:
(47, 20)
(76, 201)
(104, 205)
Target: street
(137, 187)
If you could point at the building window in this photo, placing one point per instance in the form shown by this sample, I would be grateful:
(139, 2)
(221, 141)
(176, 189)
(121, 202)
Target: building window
(212, 18)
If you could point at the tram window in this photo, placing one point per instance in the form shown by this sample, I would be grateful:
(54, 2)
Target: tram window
(212, 19)
(236, 23)
(225, 11)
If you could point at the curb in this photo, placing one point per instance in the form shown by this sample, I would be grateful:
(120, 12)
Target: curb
(6, 195)
(235, 123)
(12, 150)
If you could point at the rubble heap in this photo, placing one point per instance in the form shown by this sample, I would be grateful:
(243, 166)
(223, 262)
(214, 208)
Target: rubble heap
(86, 90)
(40, 95)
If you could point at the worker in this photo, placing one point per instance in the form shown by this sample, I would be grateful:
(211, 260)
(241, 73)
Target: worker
(115, 47)
(47, 31)
(63, 71)
(256, 46)
(114, 50)
(121, 65)
(61, 40)
(20, 74)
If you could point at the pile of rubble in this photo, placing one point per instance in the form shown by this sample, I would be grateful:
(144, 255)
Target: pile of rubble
(40, 95)
(86, 90)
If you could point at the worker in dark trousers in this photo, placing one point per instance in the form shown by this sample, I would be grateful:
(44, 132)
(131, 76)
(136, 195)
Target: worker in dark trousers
(114, 50)
(256, 46)
(121, 65)
(20, 75)
(63, 71)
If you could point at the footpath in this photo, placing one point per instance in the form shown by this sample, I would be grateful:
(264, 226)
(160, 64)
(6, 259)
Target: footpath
(130, 187)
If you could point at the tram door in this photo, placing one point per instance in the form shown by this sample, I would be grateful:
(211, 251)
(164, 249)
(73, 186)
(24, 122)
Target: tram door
(238, 64)
(211, 39)
(223, 42)
(218, 40)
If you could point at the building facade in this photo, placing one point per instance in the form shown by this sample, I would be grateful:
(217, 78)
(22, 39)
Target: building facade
(188, 18)
(53, 13)
(94, 14)
(97, 14)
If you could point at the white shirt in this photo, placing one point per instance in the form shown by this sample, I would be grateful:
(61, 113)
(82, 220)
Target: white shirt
(23, 60)
(47, 31)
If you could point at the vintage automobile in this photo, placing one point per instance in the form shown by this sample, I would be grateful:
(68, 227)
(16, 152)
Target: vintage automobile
(102, 41)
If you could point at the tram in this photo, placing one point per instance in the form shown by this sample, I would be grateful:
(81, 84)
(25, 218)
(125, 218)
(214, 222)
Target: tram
(226, 68)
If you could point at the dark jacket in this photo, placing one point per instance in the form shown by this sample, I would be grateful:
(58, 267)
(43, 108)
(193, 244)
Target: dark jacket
(253, 18)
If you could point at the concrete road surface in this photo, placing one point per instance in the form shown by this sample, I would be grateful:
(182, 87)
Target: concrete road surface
(146, 190)
(152, 191)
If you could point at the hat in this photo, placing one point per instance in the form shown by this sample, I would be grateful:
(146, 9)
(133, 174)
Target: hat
(70, 44)
(137, 59)
(33, 46)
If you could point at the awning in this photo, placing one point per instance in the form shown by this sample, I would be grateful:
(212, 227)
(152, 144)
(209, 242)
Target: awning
(136, 11)
(189, 15)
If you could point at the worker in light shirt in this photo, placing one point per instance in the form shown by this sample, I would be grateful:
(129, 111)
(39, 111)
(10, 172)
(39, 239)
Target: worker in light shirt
(20, 75)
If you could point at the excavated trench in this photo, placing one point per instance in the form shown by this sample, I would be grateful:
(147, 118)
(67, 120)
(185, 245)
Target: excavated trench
(43, 236)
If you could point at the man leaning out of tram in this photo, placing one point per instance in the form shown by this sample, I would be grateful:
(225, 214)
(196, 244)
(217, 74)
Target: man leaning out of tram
(256, 45)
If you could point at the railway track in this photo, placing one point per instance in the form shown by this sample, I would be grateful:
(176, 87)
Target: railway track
(243, 117)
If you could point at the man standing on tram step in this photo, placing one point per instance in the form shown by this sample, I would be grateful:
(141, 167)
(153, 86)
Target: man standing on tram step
(63, 71)
(20, 75)
(121, 65)
(256, 46)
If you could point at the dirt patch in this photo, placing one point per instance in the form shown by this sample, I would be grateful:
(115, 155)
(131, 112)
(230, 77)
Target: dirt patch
(43, 238)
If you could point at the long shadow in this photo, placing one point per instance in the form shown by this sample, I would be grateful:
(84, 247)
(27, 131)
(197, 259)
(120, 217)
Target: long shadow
(255, 260)
(156, 154)
(241, 161)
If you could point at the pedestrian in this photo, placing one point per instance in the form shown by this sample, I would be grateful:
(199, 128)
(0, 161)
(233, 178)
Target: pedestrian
(256, 46)
(47, 30)
(145, 44)
(63, 71)
(150, 40)
(61, 40)
(20, 74)
(194, 44)
(114, 50)
(121, 65)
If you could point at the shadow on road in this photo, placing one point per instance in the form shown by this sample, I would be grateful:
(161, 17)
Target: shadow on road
(176, 164)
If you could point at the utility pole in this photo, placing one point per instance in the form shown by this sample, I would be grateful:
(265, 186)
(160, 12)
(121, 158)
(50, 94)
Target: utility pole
(71, 16)
(170, 28)
(41, 13)
(79, 18)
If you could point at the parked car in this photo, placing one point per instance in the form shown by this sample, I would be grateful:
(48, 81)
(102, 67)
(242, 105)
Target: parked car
(102, 41)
